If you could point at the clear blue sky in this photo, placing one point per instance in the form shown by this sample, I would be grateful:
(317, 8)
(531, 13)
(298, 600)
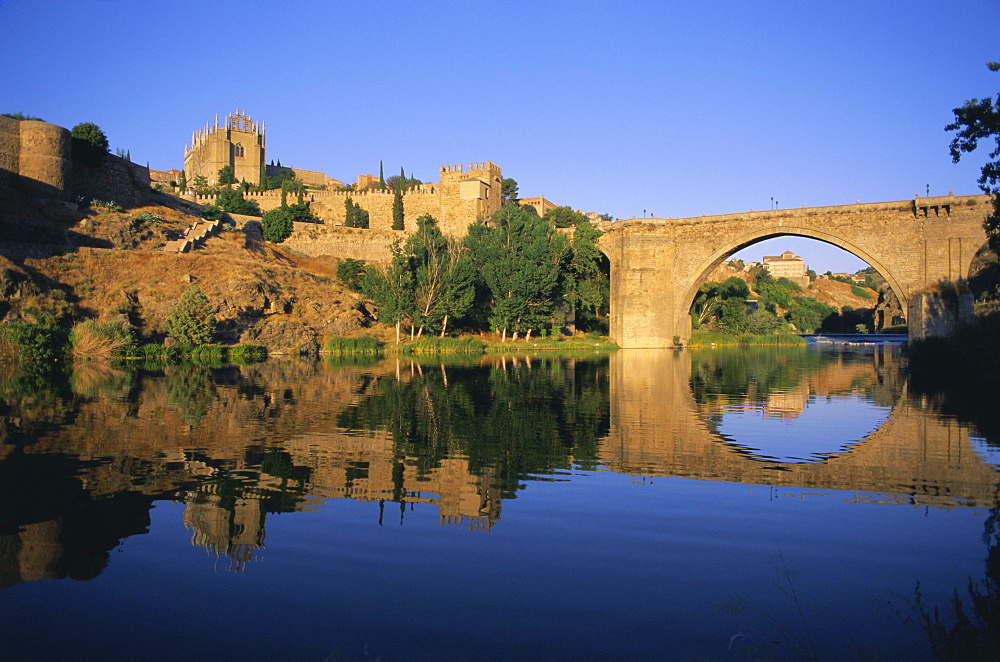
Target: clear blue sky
(671, 108)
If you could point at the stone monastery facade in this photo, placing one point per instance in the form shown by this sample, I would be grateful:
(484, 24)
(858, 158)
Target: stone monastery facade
(460, 197)
(238, 143)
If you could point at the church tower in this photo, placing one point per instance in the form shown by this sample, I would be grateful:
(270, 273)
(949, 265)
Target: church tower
(238, 143)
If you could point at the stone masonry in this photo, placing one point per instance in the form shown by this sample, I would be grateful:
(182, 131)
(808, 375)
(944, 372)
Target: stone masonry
(657, 265)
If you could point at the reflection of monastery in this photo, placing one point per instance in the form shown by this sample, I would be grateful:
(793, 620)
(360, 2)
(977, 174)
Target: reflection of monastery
(71, 495)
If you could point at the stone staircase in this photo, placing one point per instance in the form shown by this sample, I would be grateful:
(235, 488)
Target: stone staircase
(193, 237)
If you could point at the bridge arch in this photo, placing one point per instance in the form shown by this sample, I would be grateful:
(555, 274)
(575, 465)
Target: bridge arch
(657, 265)
(741, 242)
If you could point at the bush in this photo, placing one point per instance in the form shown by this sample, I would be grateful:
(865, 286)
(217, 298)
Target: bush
(212, 213)
(192, 320)
(33, 343)
(277, 225)
(359, 345)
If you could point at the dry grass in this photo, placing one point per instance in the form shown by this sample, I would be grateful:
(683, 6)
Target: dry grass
(91, 343)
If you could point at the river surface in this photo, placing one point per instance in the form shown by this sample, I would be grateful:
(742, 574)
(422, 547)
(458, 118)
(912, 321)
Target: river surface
(761, 503)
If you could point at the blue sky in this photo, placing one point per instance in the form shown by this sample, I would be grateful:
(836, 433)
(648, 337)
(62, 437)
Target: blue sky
(675, 109)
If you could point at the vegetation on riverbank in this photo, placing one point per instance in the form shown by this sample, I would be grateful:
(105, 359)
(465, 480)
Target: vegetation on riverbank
(706, 338)
(467, 344)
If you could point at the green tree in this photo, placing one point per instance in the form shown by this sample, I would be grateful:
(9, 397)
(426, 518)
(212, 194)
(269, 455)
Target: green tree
(979, 119)
(302, 214)
(351, 273)
(397, 211)
(89, 143)
(348, 212)
(518, 255)
(565, 217)
(277, 224)
(227, 175)
(442, 276)
(706, 303)
(508, 189)
(734, 288)
(192, 319)
(381, 176)
(391, 290)
(586, 285)
(182, 182)
(200, 185)
(232, 201)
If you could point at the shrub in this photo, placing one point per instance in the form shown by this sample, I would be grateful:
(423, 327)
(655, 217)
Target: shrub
(212, 213)
(192, 319)
(33, 343)
(277, 225)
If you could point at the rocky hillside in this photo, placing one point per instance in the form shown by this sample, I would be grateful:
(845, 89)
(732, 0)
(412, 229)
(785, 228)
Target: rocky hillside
(63, 266)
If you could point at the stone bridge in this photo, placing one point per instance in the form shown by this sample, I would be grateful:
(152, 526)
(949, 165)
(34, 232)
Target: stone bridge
(657, 265)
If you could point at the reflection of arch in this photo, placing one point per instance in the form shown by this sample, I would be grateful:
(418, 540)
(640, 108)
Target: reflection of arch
(751, 238)
(657, 430)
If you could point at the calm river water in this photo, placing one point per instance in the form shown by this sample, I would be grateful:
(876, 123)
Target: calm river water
(792, 503)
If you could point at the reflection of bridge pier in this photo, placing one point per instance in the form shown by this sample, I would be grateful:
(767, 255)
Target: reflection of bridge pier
(657, 429)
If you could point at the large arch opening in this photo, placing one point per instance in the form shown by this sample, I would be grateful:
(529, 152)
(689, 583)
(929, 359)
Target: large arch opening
(821, 258)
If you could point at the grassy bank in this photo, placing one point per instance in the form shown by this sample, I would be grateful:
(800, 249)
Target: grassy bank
(710, 338)
(466, 345)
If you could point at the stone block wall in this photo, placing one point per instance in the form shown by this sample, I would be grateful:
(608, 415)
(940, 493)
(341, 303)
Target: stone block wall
(115, 179)
(933, 315)
(10, 148)
(337, 241)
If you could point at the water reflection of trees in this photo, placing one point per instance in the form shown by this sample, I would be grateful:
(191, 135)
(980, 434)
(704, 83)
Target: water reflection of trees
(752, 374)
(520, 417)
(969, 628)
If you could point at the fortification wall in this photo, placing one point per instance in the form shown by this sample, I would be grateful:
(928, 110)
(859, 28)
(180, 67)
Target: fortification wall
(10, 148)
(115, 179)
(44, 160)
(337, 241)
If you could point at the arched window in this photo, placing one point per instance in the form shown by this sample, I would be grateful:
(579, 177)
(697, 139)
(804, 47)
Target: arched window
(239, 149)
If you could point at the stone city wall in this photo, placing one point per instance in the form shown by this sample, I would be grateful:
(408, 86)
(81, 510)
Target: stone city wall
(36, 158)
(317, 240)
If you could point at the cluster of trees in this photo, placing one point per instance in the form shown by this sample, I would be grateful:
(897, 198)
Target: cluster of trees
(723, 306)
(514, 274)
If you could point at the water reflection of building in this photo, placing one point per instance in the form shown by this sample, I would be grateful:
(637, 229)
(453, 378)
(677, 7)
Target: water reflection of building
(229, 527)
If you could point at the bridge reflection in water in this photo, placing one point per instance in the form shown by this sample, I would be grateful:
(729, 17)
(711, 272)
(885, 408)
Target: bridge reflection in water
(80, 473)
(915, 456)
